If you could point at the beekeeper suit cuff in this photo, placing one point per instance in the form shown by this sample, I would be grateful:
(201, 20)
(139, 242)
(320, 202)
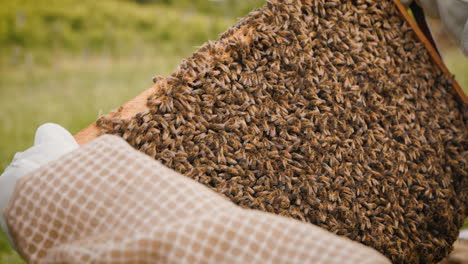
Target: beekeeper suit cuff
(51, 141)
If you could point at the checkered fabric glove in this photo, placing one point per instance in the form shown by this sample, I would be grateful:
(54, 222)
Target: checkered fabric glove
(453, 15)
(108, 203)
(51, 142)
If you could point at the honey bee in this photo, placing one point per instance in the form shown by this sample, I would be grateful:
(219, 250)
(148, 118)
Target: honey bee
(320, 111)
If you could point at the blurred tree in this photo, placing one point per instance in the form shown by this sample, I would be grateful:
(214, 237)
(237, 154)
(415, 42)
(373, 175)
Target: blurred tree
(233, 8)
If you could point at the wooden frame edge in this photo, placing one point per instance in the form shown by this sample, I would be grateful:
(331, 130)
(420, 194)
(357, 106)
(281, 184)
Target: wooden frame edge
(431, 49)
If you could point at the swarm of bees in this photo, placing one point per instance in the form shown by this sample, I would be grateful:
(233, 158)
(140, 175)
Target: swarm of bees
(326, 111)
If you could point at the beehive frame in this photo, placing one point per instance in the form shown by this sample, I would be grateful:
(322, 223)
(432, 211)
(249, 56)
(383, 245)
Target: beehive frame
(138, 103)
(332, 112)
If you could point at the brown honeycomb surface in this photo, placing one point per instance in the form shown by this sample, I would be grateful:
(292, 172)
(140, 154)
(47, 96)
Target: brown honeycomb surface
(330, 112)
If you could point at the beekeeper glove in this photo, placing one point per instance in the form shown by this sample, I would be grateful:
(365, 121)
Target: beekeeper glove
(51, 142)
(453, 15)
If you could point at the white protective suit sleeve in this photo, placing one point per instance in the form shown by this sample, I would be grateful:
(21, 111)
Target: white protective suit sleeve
(452, 13)
(51, 142)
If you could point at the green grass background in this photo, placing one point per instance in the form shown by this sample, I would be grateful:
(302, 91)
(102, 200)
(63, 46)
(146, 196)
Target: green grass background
(67, 61)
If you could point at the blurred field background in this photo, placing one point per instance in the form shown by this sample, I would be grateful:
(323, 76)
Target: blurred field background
(67, 61)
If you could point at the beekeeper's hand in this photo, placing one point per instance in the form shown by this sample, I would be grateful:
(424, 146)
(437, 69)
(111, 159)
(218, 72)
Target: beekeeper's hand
(51, 142)
(453, 15)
